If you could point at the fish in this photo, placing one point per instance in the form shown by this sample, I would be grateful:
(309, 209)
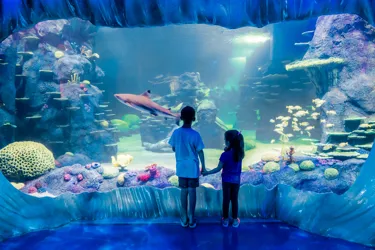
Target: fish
(295, 119)
(262, 93)
(272, 141)
(295, 90)
(270, 100)
(295, 82)
(144, 104)
(330, 125)
(313, 108)
(272, 121)
(308, 133)
(331, 112)
(306, 83)
(315, 114)
(285, 124)
(304, 124)
(279, 125)
(257, 83)
(286, 118)
(301, 113)
(279, 117)
(296, 129)
(297, 107)
(290, 111)
(323, 121)
(318, 102)
(309, 128)
(275, 86)
(279, 131)
(274, 94)
(177, 108)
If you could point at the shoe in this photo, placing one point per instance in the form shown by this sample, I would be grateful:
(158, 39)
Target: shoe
(236, 222)
(193, 224)
(184, 223)
(224, 222)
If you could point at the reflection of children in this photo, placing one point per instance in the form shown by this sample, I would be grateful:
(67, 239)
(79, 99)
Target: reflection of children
(231, 163)
(188, 146)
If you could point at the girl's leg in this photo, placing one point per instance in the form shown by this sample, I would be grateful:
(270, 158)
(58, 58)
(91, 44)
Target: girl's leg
(226, 199)
(234, 199)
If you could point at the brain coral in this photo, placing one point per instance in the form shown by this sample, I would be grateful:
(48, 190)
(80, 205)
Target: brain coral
(20, 161)
(271, 167)
(331, 173)
(307, 165)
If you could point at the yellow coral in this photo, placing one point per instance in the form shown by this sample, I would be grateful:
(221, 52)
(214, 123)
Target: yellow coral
(25, 160)
(104, 124)
(121, 179)
(173, 180)
(17, 185)
(59, 54)
(122, 160)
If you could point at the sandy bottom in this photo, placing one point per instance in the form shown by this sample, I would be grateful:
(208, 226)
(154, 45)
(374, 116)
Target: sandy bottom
(142, 158)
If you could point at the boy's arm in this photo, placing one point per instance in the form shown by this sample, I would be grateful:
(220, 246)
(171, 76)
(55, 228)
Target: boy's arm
(215, 170)
(201, 158)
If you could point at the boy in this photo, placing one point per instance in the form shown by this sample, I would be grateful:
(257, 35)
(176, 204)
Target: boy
(188, 146)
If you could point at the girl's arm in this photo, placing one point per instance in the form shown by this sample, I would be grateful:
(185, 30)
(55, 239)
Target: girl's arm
(215, 170)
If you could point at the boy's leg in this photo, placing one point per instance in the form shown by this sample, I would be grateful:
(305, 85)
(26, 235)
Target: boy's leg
(234, 199)
(192, 202)
(226, 199)
(182, 182)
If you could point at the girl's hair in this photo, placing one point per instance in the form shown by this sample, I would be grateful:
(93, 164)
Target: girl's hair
(236, 143)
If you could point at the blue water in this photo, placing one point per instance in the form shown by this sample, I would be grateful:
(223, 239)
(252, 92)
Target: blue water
(172, 236)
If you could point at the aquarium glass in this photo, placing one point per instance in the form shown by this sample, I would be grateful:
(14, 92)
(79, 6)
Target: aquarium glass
(91, 109)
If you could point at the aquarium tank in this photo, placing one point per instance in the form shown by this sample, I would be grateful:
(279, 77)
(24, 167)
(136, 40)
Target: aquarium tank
(91, 92)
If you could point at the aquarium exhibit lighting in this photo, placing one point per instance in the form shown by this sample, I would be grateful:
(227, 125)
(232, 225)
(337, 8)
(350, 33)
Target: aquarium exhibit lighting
(251, 39)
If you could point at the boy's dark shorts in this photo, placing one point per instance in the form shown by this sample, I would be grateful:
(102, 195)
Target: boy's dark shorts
(188, 182)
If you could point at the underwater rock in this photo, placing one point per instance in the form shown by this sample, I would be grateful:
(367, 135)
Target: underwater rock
(345, 89)
(110, 172)
(68, 160)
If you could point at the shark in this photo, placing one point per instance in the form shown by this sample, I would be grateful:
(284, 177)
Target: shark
(143, 103)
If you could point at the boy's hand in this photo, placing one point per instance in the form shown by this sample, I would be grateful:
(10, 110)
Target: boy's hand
(204, 172)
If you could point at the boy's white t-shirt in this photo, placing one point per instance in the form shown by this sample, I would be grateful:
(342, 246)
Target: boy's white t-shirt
(187, 143)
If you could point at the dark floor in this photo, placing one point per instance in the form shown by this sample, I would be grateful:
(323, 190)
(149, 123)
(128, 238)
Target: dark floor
(172, 236)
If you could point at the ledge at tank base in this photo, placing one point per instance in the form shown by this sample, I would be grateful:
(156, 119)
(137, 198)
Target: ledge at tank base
(19, 14)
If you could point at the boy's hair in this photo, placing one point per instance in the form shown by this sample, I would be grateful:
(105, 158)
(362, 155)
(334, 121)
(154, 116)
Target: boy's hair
(236, 143)
(188, 114)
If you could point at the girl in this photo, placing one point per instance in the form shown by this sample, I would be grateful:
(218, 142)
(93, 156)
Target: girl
(231, 163)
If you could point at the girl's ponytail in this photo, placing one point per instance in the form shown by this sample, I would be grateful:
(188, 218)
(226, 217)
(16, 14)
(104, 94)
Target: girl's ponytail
(236, 143)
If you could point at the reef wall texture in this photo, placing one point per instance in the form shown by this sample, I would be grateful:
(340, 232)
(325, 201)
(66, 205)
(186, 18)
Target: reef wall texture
(18, 14)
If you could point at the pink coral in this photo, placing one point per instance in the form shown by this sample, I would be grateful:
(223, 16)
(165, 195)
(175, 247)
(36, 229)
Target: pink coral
(153, 169)
(88, 166)
(143, 177)
(67, 177)
(32, 190)
(82, 86)
(38, 185)
(80, 177)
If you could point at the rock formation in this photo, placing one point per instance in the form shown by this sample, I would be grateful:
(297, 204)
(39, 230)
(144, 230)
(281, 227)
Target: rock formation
(50, 80)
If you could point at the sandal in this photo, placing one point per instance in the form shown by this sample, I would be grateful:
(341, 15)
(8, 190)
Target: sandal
(184, 223)
(193, 224)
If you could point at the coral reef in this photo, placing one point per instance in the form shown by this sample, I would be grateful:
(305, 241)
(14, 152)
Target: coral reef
(270, 167)
(331, 173)
(45, 86)
(307, 165)
(20, 161)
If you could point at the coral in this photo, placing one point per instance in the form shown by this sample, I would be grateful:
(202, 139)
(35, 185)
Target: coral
(294, 166)
(38, 185)
(121, 125)
(123, 160)
(307, 165)
(110, 172)
(154, 172)
(173, 180)
(131, 119)
(121, 179)
(79, 177)
(343, 155)
(143, 177)
(331, 173)
(270, 167)
(32, 190)
(270, 157)
(17, 185)
(67, 177)
(59, 54)
(25, 160)
(314, 63)
(207, 185)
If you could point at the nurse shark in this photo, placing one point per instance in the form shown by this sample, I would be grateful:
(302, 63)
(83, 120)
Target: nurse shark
(144, 104)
